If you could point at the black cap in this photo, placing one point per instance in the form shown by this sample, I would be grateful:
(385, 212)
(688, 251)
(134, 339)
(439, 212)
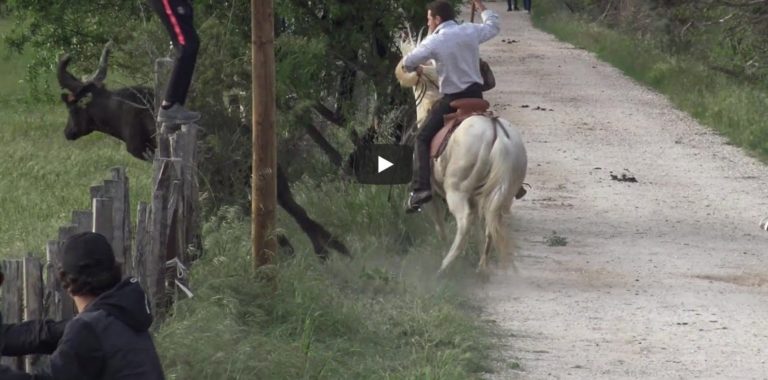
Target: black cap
(87, 253)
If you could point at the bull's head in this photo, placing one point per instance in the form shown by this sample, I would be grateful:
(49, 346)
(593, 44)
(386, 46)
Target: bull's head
(84, 98)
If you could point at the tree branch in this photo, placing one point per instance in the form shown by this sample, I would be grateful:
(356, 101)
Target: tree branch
(333, 155)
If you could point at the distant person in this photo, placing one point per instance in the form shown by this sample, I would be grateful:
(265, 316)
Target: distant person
(177, 16)
(509, 5)
(526, 5)
(108, 339)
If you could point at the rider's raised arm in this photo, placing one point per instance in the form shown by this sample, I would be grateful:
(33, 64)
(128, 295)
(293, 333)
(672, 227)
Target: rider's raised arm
(490, 26)
(420, 55)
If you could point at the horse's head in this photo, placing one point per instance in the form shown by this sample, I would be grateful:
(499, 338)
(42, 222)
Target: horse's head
(425, 86)
(407, 43)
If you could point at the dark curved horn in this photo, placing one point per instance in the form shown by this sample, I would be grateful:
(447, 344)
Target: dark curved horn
(67, 80)
(101, 72)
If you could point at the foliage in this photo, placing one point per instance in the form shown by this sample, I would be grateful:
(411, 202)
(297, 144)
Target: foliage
(728, 36)
(729, 103)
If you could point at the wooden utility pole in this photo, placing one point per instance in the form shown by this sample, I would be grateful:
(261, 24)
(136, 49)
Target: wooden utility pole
(264, 169)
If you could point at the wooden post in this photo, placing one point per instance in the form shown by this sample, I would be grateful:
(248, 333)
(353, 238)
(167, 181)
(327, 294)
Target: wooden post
(53, 292)
(121, 218)
(163, 67)
(102, 220)
(160, 220)
(67, 305)
(12, 306)
(33, 301)
(263, 178)
(82, 220)
(141, 259)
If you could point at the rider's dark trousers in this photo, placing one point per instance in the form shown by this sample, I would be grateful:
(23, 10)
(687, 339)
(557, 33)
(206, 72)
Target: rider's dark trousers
(433, 124)
(177, 16)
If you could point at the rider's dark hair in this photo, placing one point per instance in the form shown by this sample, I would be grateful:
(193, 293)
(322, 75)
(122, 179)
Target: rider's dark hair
(442, 8)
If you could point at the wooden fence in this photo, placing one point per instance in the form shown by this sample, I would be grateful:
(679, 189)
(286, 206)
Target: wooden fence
(158, 251)
(166, 240)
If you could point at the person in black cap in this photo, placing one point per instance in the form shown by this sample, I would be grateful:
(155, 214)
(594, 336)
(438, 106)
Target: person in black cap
(109, 338)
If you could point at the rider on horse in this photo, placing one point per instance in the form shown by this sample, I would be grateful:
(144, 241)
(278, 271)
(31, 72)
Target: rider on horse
(456, 51)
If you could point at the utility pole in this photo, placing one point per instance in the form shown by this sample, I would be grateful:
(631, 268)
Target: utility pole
(264, 167)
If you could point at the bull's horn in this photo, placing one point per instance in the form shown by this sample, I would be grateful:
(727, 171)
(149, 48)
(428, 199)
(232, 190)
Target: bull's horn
(67, 80)
(101, 72)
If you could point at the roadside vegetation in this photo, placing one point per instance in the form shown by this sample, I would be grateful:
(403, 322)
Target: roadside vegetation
(708, 57)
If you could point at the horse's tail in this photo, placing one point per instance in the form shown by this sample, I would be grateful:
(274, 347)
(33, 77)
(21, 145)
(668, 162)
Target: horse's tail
(508, 163)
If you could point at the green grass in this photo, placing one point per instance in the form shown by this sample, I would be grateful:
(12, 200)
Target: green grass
(379, 316)
(734, 108)
(43, 177)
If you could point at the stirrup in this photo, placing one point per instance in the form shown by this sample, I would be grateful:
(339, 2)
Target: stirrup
(413, 209)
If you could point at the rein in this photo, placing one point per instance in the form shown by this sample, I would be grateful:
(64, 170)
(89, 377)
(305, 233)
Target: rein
(131, 103)
(423, 91)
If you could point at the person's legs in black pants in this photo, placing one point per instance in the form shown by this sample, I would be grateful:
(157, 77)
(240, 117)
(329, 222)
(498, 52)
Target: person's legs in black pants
(510, 6)
(433, 124)
(177, 17)
(527, 5)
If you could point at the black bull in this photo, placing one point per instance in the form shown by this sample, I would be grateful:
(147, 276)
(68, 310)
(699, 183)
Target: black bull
(126, 114)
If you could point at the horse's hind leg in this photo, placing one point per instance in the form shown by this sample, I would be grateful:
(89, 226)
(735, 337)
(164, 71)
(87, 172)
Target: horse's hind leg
(437, 212)
(459, 206)
(483, 264)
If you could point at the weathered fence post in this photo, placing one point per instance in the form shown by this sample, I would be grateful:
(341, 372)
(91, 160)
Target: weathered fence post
(141, 259)
(33, 299)
(82, 220)
(66, 306)
(102, 220)
(13, 297)
(172, 218)
(119, 230)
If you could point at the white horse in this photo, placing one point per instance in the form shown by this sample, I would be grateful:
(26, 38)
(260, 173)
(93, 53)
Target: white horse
(478, 174)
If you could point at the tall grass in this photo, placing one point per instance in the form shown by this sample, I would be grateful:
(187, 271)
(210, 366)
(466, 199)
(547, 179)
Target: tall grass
(382, 315)
(731, 106)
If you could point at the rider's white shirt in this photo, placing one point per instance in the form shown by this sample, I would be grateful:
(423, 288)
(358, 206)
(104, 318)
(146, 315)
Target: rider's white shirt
(456, 50)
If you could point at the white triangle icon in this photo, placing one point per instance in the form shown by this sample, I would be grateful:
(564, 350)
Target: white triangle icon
(384, 164)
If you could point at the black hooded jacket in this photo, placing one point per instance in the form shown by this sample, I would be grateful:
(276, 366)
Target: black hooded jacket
(108, 340)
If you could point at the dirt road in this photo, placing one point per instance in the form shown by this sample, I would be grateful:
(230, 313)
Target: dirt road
(665, 278)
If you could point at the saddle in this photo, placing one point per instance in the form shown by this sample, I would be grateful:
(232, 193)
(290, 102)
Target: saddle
(464, 109)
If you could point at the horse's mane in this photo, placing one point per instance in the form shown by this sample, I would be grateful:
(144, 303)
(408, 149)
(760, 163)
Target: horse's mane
(407, 44)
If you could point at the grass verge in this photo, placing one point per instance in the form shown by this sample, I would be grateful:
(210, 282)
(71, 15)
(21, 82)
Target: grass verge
(382, 315)
(734, 108)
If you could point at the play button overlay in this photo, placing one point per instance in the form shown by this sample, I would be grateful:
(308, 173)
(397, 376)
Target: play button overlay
(383, 164)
